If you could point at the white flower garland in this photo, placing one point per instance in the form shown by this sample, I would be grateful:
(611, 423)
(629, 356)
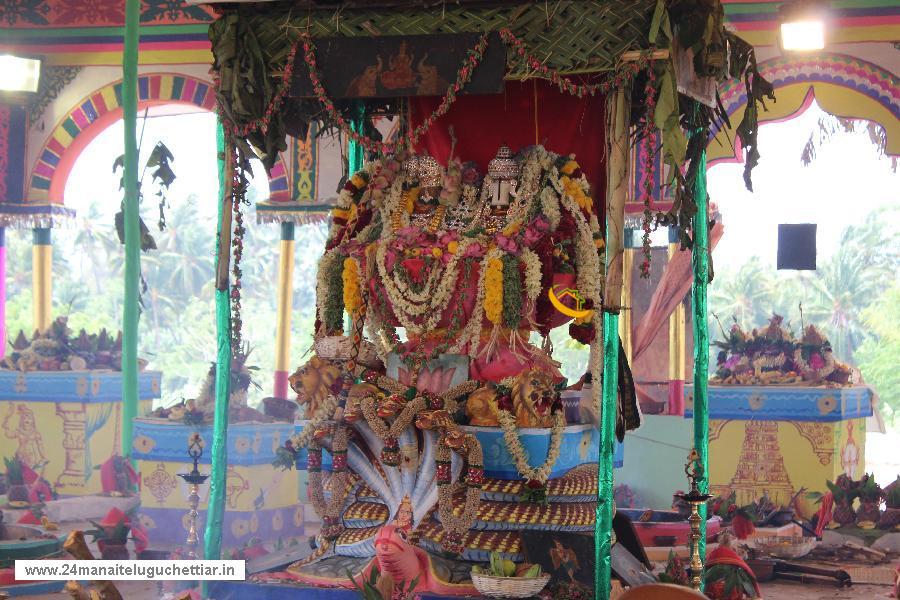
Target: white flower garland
(550, 207)
(520, 455)
(406, 308)
(533, 274)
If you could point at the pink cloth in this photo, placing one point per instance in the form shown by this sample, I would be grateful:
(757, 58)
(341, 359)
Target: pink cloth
(674, 285)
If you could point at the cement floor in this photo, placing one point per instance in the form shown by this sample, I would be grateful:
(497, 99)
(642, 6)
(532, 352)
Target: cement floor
(135, 590)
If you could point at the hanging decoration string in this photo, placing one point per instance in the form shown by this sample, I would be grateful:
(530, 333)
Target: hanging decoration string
(463, 76)
(622, 75)
(649, 128)
(238, 199)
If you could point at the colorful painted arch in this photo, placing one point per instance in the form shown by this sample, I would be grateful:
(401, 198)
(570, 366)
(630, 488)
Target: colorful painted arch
(102, 108)
(843, 85)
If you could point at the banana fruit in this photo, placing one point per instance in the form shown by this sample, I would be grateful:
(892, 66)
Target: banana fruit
(500, 567)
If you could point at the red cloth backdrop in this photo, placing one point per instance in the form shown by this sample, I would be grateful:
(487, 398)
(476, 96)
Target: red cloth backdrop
(482, 123)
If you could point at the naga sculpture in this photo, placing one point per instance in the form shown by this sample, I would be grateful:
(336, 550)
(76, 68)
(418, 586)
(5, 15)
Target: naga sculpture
(441, 418)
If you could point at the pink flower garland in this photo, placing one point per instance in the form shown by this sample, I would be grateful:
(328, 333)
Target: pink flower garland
(650, 103)
(625, 73)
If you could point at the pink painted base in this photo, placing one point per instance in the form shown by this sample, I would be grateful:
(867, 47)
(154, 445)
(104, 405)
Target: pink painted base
(2, 301)
(281, 385)
(676, 398)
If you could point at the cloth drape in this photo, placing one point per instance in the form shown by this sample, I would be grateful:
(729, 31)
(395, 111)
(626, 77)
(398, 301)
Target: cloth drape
(674, 285)
(482, 123)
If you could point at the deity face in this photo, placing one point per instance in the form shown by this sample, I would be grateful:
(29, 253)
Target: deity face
(26, 420)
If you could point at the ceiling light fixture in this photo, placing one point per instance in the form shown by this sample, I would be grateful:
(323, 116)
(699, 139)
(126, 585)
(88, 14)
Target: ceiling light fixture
(802, 26)
(19, 74)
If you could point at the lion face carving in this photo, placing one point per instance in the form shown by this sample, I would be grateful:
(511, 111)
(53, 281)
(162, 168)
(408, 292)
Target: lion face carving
(313, 382)
(532, 395)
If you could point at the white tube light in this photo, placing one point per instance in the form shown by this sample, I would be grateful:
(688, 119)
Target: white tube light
(805, 35)
(18, 74)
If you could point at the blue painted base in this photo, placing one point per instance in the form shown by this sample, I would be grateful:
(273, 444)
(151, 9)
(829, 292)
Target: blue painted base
(784, 403)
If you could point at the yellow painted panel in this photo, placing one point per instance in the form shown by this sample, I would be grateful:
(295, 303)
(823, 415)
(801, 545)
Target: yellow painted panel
(63, 441)
(782, 457)
(247, 488)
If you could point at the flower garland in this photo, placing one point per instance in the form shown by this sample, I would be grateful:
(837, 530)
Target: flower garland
(649, 126)
(463, 76)
(457, 526)
(512, 292)
(329, 292)
(493, 290)
(624, 74)
(277, 100)
(239, 188)
(350, 278)
(514, 446)
(532, 275)
(407, 305)
(330, 511)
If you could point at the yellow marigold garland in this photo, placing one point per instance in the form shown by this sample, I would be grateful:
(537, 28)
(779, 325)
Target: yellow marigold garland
(493, 288)
(352, 298)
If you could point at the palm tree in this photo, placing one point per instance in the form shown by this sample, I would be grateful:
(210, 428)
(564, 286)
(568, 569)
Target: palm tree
(746, 295)
(854, 277)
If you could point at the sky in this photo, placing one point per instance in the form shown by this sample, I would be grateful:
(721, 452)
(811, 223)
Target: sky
(846, 181)
(190, 137)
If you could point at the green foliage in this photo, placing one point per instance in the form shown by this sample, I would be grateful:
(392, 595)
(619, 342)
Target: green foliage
(13, 471)
(375, 588)
(735, 578)
(879, 355)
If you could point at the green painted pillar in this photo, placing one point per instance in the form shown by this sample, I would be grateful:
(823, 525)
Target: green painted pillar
(700, 259)
(131, 211)
(215, 514)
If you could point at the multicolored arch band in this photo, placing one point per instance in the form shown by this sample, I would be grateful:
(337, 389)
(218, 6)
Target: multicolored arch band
(102, 108)
(836, 80)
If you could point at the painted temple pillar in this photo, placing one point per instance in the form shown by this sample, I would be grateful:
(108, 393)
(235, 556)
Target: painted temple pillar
(41, 278)
(676, 344)
(292, 199)
(283, 319)
(2, 292)
(625, 317)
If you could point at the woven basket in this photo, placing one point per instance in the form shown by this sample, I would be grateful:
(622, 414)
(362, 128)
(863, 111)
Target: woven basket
(509, 587)
(785, 547)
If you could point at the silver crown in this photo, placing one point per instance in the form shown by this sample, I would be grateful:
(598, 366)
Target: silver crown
(411, 167)
(503, 166)
(430, 172)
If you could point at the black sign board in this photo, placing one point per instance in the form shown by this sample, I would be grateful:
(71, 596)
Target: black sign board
(797, 246)
(393, 66)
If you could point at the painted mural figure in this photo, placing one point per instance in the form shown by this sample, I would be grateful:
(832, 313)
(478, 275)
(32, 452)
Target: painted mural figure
(30, 448)
(400, 75)
(565, 558)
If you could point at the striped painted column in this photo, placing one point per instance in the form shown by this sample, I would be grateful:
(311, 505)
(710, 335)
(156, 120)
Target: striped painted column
(285, 303)
(676, 344)
(41, 277)
(2, 292)
(625, 317)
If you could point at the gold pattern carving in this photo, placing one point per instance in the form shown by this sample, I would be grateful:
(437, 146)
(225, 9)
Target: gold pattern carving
(819, 436)
(760, 468)
(715, 428)
(160, 483)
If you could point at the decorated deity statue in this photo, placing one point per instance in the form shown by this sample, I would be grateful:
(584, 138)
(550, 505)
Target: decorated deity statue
(439, 444)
